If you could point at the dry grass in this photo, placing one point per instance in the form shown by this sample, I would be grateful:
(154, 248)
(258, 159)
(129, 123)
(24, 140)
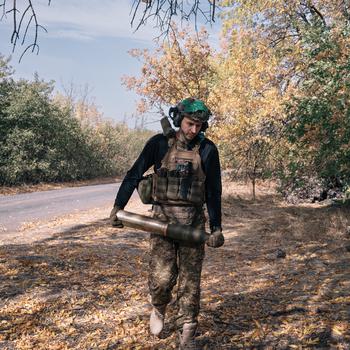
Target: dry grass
(86, 288)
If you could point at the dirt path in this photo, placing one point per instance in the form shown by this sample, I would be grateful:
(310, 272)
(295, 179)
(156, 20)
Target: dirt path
(86, 287)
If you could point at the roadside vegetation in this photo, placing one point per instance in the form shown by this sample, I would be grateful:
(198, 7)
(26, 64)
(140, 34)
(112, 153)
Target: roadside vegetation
(47, 137)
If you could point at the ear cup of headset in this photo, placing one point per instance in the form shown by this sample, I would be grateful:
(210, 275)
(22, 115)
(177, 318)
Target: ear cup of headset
(179, 116)
(174, 114)
(176, 117)
(177, 120)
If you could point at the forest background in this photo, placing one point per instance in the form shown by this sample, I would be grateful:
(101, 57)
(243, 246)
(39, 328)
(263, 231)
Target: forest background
(278, 88)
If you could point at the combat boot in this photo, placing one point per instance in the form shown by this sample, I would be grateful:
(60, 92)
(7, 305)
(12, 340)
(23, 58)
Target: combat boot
(156, 321)
(187, 337)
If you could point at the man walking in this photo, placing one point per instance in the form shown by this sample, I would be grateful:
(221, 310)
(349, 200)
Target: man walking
(186, 175)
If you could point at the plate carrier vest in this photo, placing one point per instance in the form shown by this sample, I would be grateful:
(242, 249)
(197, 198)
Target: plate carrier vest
(180, 180)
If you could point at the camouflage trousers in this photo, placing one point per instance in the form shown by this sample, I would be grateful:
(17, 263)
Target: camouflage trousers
(177, 261)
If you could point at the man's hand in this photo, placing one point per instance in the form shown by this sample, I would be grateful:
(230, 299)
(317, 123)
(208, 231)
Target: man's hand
(216, 239)
(115, 222)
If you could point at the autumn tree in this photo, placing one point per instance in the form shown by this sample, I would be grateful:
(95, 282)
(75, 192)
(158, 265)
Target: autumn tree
(297, 46)
(283, 25)
(247, 100)
(241, 85)
(179, 68)
(79, 101)
(257, 74)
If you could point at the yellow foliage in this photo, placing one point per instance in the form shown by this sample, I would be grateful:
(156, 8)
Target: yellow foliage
(247, 100)
(179, 68)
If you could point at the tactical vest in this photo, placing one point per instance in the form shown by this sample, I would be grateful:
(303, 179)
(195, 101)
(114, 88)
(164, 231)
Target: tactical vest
(180, 180)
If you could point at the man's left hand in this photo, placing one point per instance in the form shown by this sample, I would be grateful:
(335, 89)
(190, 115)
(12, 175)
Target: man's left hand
(216, 239)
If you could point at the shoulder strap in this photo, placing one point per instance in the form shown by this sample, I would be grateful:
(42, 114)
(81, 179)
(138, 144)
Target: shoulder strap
(171, 141)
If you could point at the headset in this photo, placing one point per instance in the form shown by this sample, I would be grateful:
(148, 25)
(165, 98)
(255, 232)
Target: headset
(176, 114)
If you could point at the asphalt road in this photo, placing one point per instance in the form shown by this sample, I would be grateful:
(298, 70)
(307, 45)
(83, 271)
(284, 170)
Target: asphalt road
(18, 209)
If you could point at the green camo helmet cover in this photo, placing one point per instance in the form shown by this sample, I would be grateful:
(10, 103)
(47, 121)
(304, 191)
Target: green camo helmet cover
(196, 109)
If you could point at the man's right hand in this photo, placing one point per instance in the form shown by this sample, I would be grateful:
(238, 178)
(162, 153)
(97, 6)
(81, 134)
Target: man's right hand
(216, 239)
(115, 222)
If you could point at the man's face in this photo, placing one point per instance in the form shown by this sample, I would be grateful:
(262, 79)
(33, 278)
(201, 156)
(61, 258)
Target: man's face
(190, 127)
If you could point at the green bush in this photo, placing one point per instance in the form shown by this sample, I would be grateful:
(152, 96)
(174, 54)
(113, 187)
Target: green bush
(41, 141)
(318, 125)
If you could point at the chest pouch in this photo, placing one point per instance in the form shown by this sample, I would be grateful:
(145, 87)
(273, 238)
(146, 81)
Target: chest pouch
(184, 169)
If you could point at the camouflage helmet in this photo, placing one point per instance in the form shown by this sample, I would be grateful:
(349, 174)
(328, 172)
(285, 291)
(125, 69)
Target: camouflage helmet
(193, 108)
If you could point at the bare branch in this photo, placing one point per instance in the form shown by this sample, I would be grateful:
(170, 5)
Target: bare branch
(313, 9)
(33, 46)
(3, 5)
(163, 12)
(26, 30)
(22, 22)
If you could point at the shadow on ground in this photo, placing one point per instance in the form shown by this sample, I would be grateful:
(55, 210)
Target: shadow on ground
(86, 288)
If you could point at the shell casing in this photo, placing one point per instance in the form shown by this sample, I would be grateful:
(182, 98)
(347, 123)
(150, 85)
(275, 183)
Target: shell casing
(142, 222)
(174, 231)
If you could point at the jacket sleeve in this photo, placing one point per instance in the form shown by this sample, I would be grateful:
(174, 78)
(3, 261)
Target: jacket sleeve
(213, 187)
(145, 160)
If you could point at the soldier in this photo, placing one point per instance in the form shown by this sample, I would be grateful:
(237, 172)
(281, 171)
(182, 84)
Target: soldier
(186, 175)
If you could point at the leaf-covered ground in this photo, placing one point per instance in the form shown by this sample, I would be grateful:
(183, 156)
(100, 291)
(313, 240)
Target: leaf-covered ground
(281, 281)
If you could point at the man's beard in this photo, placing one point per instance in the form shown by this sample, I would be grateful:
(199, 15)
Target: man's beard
(182, 137)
